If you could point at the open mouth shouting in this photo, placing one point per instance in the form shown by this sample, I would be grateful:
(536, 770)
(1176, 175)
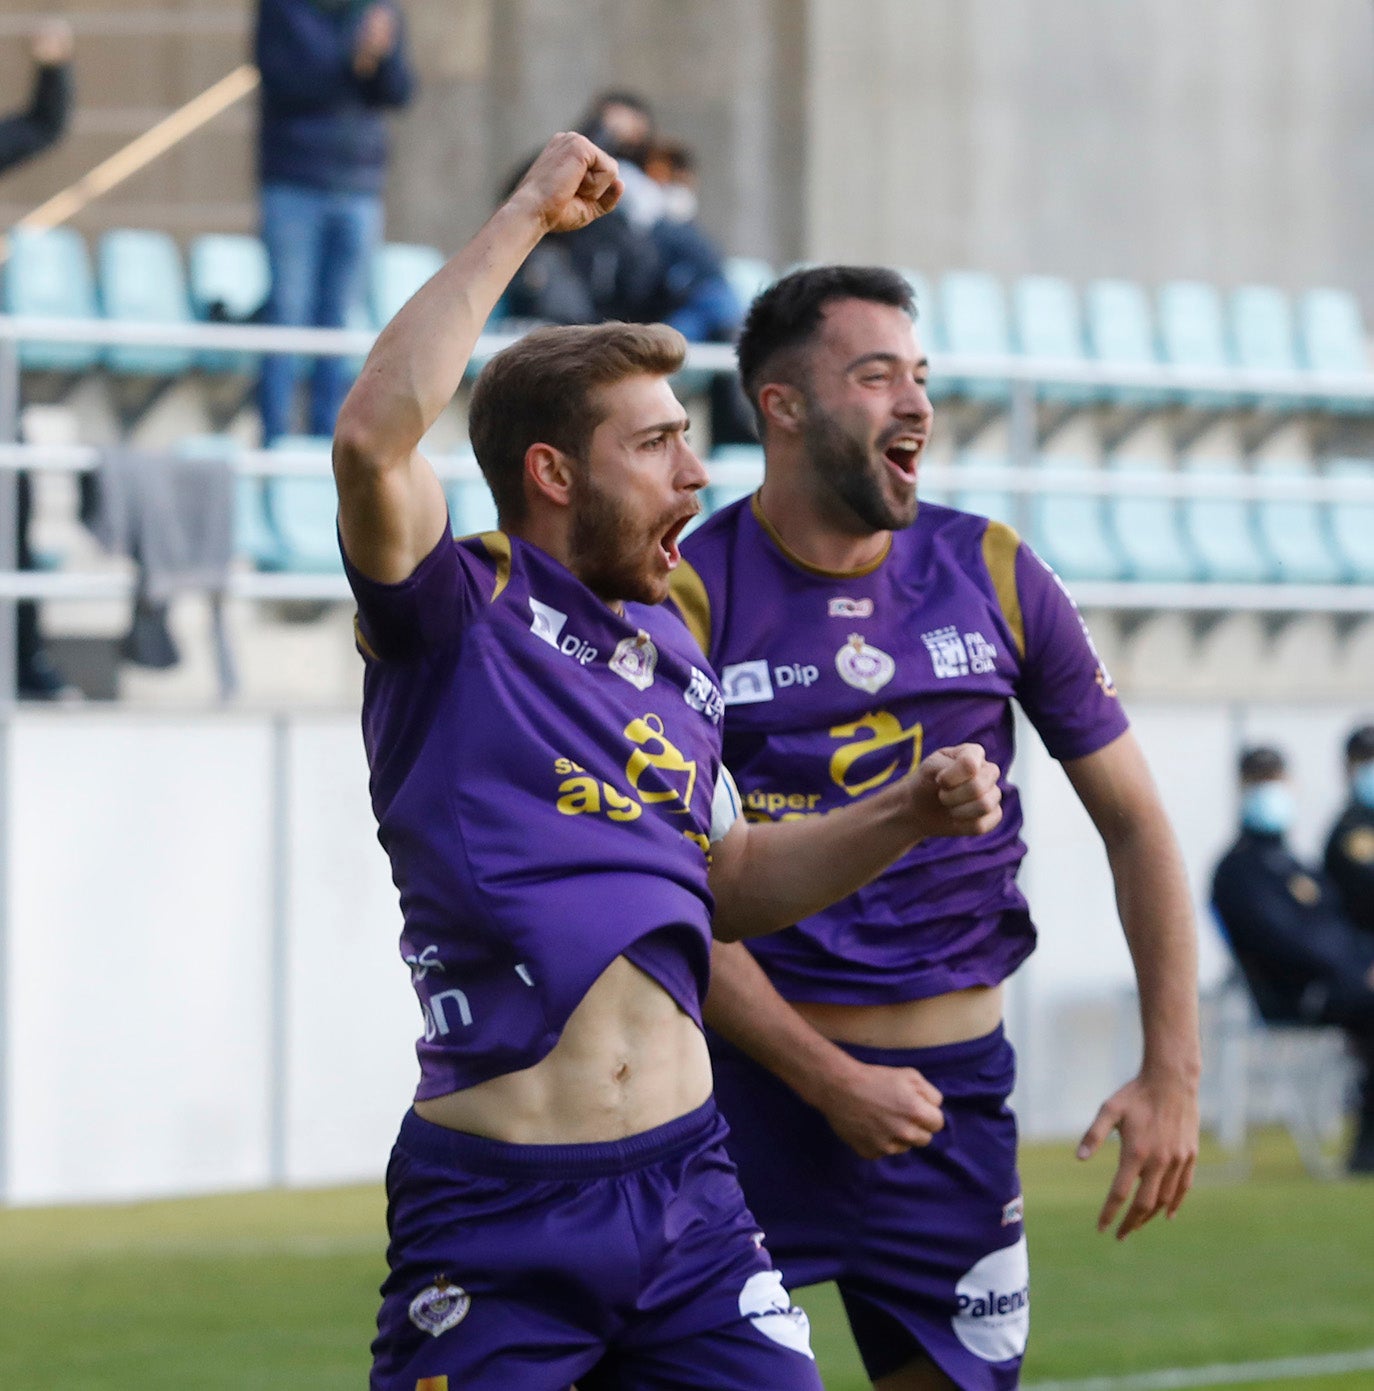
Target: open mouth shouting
(903, 451)
(667, 544)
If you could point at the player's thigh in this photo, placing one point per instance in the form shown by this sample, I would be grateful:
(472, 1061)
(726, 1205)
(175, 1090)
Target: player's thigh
(920, 1374)
(736, 1358)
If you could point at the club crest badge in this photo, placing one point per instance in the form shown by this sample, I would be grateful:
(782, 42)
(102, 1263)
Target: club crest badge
(439, 1307)
(864, 667)
(634, 659)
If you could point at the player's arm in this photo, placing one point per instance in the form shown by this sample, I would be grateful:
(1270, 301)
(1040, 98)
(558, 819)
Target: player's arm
(392, 511)
(1157, 1111)
(875, 1110)
(768, 875)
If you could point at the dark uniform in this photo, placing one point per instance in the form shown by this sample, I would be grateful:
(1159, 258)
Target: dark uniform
(1350, 864)
(1303, 959)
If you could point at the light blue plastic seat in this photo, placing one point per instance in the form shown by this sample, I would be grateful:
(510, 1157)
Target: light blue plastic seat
(1121, 334)
(1332, 339)
(49, 276)
(1049, 325)
(1262, 332)
(228, 278)
(750, 456)
(398, 269)
(1295, 532)
(1192, 330)
(1221, 529)
(303, 512)
(973, 320)
(979, 498)
(471, 507)
(1148, 531)
(142, 281)
(748, 276)
(255, 539)
(1352, 523)
(1070, 529)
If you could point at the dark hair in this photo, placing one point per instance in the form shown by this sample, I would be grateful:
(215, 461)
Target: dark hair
(1359, 748)
(542, 390)
(1262, 763)
(787, 314)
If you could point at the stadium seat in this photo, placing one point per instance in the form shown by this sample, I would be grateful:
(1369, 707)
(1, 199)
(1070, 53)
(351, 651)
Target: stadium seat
(1352, 523)
(1147, 530)
(49, 276)
(1262, 331)
(1192, 331)
(973, 320)
(748, 276)
(1049, 325)
(255, 539)
(1220, 529)
(1069, 529)
(471, 508)
(228, 280)
(1332, 339)
(749, 456)
(985, 501)
(398, 269)
(303, 511)
(927, 322)
(142, 281)
(1121, 334)
(1294, 532)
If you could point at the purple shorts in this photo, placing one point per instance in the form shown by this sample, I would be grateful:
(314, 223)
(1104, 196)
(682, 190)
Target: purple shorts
(927, 1247)
(633, 1264)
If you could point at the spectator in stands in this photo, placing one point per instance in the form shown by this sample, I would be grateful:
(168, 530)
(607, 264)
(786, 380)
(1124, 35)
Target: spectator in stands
(1350, 848)
(22, 135)
(1300, 955)
(329, 70)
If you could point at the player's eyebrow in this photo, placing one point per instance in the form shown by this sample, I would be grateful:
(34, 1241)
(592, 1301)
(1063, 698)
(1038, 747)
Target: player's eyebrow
(895, 358)
(670, 427)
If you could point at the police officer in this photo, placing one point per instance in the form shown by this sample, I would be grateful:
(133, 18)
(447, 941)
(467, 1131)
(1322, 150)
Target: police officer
(1350, 850)
(1302, 958)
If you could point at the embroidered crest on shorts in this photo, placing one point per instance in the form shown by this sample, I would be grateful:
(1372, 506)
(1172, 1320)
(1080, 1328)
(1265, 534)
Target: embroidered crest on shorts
(439, 1307)
(862, 666)
(1014, 1211)
(768, 1306)
(635, 659)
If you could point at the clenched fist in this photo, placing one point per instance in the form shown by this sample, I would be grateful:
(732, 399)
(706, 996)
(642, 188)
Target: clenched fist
(571, 184)
(955, 792)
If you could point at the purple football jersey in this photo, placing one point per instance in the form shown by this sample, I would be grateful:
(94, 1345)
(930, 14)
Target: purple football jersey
(835, 685)
(542, 771)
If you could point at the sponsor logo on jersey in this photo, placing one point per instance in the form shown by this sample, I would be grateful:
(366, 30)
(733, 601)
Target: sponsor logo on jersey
(422, 963)
(953, 653)
(842, 607)
(702, 694)
(862, 666)
(768, 1306)
(547, 624)
(439, 1307)
(746, 683)
(635, 659)
(992, 1318)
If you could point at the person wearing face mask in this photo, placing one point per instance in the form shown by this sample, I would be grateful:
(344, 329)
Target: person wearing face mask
(1303, 959)
(1350, 847)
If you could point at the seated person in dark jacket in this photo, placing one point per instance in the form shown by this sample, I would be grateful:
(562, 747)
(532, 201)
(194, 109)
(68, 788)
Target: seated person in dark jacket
(1350, 848)
(1299, 953)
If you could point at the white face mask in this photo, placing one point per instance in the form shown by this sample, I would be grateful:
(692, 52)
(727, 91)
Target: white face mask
(1266, 808)
(679, 202)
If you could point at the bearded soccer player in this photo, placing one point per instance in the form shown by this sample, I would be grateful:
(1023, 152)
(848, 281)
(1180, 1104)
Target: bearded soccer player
(544, 746)
(859, 1056)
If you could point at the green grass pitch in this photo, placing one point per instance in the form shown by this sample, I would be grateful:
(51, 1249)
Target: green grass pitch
(269, 1291)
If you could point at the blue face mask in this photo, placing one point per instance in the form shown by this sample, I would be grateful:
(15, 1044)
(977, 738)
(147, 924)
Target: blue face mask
(1362, 784)
(1266, 808)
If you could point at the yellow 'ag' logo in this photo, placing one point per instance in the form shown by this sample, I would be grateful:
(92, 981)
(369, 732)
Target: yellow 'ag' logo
(884, 733)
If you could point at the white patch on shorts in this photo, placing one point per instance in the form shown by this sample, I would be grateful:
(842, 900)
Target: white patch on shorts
(439, 1307)
(768, 1306)
(993, 1319)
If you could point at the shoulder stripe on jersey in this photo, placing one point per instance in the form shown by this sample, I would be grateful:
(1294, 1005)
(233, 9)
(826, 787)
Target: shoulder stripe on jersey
(1000, 544)
(497, 545)
(361, 643)
(693, 602)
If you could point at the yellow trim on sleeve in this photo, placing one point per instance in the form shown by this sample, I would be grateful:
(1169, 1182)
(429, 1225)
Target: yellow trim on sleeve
(689, 594)
(497, 545)
(1000, 544)
(361, 643)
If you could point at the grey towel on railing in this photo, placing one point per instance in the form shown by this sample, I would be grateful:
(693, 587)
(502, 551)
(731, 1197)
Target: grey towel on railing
(174, 517)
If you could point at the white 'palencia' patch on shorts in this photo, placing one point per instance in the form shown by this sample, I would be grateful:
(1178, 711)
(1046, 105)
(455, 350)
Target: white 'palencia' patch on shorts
(768, 1306)
(993, 1318)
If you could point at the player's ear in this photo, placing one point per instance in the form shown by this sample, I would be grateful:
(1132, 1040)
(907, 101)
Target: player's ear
(782, 406)
(549, 472)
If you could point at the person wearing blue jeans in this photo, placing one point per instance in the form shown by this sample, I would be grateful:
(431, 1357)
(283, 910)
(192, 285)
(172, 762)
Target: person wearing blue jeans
(330, 68)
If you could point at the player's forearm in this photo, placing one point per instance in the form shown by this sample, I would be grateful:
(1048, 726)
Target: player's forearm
(745, 1009)
(418, 360)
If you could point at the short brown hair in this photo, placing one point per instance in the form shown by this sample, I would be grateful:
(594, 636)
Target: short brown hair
(542, 390)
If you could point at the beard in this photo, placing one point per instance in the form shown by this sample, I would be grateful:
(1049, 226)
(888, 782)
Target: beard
(843, 466)
(605, 556)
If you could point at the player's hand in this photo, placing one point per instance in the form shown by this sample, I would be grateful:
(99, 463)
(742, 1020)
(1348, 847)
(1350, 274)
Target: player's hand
(955, 792)
(52, 43)
(377, 33)
(1158, 1122)
(879, 1111)
(571, 184)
